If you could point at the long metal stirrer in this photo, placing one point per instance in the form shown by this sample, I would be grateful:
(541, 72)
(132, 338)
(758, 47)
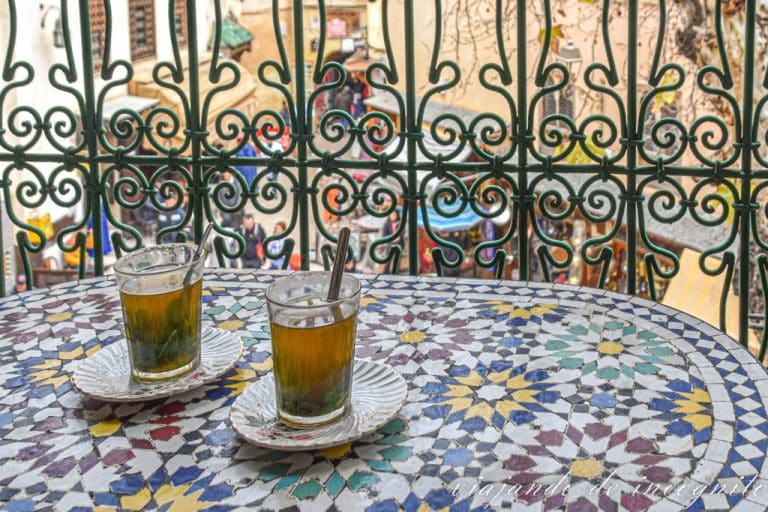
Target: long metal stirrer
(338, 265)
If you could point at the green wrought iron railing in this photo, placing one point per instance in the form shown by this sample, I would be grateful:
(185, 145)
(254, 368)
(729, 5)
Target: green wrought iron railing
(631, 170)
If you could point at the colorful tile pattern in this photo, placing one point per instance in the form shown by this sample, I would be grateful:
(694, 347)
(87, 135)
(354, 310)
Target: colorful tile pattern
(538, 396)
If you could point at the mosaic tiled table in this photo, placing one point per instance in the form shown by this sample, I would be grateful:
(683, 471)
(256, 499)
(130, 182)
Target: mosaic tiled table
(536, 397)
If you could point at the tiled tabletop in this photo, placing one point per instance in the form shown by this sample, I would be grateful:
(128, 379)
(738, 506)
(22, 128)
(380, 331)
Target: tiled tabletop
(531, 396)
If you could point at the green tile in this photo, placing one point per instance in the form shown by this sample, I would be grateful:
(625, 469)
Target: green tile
(578, 330)
(647, 335)
(571, 363)
(626, 370)
(608, 373)
(234, 308)
(556, 345)
(273, 471)
(646, 369)
(287, 481)
(589, 368)
(393, 439)
(393, 427)
(361, 479)
(379, 465)
(614, 324)
(335, 484)
(396, 453)
(307, 489)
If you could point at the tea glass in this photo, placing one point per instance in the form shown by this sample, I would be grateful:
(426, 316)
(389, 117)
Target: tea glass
(161, 312)
(313, 345)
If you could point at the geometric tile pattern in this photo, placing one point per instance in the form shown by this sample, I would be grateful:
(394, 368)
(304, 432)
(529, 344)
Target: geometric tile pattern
(537, 396)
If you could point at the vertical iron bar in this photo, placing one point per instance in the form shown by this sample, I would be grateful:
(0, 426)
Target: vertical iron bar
(522, 139)
(194, 122)
(746, 168)
(632, 137)
(412, 131)
(89, 127)
(3, 267)
(301, 120)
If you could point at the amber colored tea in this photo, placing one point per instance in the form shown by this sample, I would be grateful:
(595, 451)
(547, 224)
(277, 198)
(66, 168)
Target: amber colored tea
(163, 330)
(313, 367)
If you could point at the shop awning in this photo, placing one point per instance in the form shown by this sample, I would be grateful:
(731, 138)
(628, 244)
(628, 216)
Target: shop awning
(233, 34)
(462, 222)
(241, 97)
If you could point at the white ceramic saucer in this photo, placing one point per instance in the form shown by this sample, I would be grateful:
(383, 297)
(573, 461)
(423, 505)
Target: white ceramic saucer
(106, 375)
(378, 393)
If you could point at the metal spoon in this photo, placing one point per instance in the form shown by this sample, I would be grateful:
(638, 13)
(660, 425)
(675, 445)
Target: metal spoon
(338, 265)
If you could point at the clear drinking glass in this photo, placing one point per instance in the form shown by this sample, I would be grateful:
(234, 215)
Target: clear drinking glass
(161, 312)
(313, 346)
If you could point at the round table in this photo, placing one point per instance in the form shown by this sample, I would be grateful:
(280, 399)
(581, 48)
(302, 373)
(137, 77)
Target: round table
(552, 397)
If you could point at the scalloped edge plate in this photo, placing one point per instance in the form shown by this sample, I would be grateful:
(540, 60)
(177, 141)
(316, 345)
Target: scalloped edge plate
(378, 394)
(106, 375)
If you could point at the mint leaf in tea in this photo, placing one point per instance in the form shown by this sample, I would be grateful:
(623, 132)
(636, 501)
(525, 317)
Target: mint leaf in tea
(162, 328)
(313, 366)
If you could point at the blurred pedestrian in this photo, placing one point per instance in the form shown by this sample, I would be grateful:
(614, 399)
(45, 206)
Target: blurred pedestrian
(254, 235)
(276, 246)
(249, 172)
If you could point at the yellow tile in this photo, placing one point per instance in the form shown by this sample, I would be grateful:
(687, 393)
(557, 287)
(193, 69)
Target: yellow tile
(59, 317)
(698, 395)
(57, 382)
(188, 503)
(92, 350)
(337, 452)
(263, 366)
(48, 364)
(412, 337)
(610, 347)
(506, 406)
(72, 354)
(458, 391)
(482, 410)
(105, 428)
(699, 421)
(473, 379)
(525, 396)
(586, 468)
(43, 374)
(138, 501)
(168, 493)
(458, 404)
(365, 301)
(231, 325)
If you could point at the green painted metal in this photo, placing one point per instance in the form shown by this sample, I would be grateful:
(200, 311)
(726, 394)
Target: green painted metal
(233, 34)
(517, 168)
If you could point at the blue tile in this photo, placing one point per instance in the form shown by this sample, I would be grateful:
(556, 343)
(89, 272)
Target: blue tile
(129, 484)
(185, 475)
(157, 479)
(680, 428)
(20, 506)
(220, 437)
(411, 503)
(384, 506)
(440, 498)
(475, 424)
(458, 457)
(216, 493)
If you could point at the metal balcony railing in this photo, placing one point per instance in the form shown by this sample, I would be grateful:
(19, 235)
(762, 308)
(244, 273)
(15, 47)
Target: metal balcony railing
(632, 169)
